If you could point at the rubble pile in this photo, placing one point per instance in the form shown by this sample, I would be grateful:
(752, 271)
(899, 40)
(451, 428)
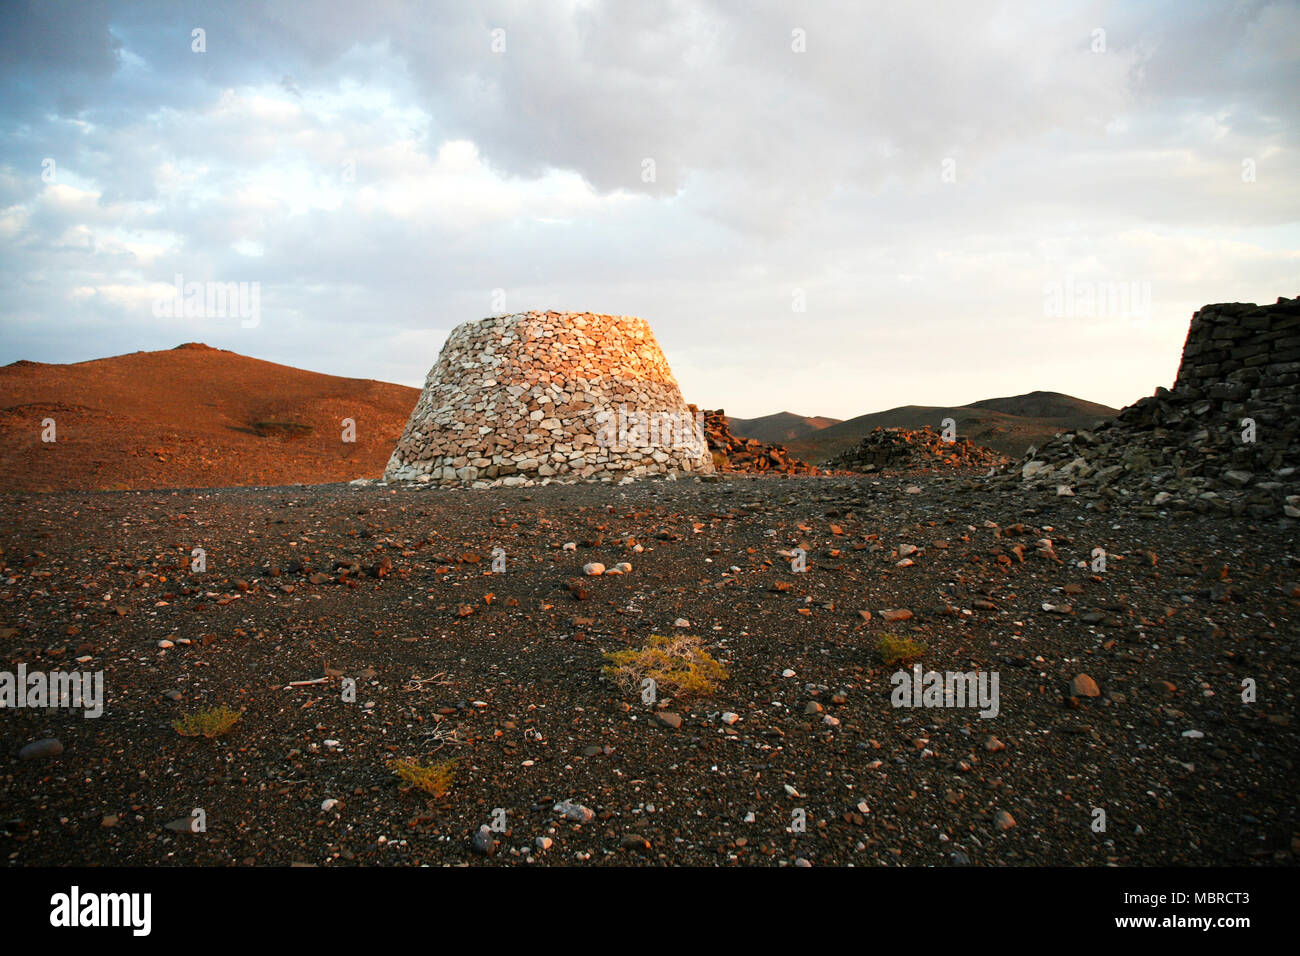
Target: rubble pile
(923, 449)
(1224, 439)
(735, 454)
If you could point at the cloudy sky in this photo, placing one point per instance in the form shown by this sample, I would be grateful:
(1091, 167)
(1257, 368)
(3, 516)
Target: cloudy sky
(830, 208)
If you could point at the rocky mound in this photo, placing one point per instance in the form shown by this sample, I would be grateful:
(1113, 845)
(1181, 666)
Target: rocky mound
(734, 454)
(922, 449)
(549, 396)
(1225, 439)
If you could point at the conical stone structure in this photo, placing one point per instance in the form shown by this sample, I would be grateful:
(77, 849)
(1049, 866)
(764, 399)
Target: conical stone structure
(549, 396)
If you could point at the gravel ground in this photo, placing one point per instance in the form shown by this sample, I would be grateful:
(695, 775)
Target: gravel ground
(393, 588)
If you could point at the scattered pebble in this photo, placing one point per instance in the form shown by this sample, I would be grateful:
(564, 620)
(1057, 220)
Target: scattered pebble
(669, 719)
(48, 747)
(1081, 685)
(574, 811)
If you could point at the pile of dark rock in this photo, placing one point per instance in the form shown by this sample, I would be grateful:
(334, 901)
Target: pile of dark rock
(734, 454)
(922, 449)
(1225, 439)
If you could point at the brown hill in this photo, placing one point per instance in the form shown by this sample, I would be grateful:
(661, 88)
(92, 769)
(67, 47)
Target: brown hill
(779, 428)
(193, 416)
(1007, 425)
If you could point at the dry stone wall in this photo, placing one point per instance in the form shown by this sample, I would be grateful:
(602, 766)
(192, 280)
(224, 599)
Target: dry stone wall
(1225, 439)
(537, 397)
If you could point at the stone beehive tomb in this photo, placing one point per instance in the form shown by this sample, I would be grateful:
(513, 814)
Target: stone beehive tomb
(549, 396)
(1225, 439)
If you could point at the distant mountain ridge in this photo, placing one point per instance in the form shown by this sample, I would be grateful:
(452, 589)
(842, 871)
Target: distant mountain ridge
(1008, 425)
(779, 428)
(1045, 405)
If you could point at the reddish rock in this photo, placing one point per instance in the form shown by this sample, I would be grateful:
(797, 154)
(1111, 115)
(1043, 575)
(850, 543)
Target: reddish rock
(1084, 686)
(734, 454)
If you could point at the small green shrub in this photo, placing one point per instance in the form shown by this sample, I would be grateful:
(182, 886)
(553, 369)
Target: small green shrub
(212, 722)
(434, 778)
(894, 649)
(679, 666)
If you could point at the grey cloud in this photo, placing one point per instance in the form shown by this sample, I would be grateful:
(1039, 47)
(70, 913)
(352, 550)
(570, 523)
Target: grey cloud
(775, 170)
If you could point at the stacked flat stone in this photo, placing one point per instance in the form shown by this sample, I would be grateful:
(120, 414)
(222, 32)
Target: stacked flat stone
(1244, 353)
(537, 397)
(1225, 439)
